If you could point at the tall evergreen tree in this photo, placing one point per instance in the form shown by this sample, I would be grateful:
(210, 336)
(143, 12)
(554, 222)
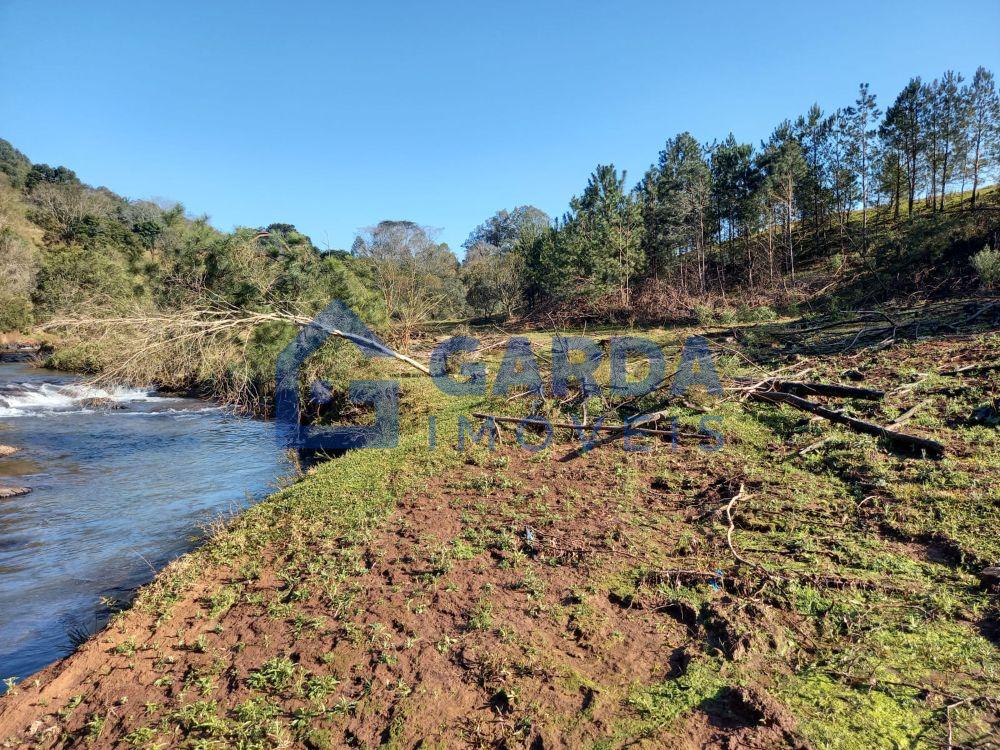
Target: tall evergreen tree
(735, 181)
(553, 266)
(675, 196)
(901, 130)
(607, 226)
(931, 126)
(843, 178)
(861, 123)
(953, 114)
(813, 133)
(984, 121)
(784, 168)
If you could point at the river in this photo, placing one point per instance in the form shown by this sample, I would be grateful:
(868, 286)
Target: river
(116, 494)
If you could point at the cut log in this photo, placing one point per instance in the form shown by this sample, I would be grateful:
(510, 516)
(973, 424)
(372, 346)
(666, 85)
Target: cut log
(828, 389)
(820, 389)
(6, 492)
(652, 416)
(913, 443)
(592, 426)
(973, 368)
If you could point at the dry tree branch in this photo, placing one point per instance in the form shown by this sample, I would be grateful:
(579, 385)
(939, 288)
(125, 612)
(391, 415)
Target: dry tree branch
(732, 527)
(207, 341)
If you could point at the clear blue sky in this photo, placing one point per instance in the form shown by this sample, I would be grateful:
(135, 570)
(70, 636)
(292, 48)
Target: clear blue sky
(332, 116)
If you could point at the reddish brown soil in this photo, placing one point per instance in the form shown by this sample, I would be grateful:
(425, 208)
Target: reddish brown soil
(511, 645)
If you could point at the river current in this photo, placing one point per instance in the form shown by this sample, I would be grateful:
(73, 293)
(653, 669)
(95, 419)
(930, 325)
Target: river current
(116, 494)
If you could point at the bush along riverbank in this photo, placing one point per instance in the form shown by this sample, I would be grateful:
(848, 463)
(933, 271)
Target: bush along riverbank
(776, 593)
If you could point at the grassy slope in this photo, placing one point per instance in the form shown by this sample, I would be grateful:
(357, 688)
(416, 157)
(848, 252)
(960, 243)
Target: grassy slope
(397, 596)
(926, 255)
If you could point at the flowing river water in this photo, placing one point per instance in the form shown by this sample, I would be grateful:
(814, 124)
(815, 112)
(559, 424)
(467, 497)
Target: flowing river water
(116, 494)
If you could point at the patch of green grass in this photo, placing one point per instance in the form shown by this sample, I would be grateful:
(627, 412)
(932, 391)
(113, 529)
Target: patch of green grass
(660, 704)
(222, 600)
(201, 717)
(481, 617)
(275, 676)
(834, 715)
(140, 737)
(256, 712)
(95, 727)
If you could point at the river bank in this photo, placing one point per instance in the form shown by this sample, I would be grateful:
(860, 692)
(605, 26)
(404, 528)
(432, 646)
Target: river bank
(412, 596)
(122, 481)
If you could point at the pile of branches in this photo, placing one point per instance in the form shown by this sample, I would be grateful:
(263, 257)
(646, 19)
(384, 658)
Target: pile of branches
(884, 327)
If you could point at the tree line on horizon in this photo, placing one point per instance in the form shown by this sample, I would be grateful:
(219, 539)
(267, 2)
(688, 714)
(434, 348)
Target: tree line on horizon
(706, 219)
(710, 216)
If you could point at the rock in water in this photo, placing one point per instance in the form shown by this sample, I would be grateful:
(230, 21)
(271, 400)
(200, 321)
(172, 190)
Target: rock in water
(8, 450)
(6, 492)
(98, 402)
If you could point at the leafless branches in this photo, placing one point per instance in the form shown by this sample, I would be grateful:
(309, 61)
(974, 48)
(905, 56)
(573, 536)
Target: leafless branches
(206, 342)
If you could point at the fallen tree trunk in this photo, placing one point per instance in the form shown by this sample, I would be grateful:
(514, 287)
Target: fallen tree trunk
(901, 419)
(633, 430)
(671, 575)
(800, 388)
(827, 389)
(912, 442)
(973, 368)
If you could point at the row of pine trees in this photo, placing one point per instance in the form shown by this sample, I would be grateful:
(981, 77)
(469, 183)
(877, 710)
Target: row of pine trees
(708, 215)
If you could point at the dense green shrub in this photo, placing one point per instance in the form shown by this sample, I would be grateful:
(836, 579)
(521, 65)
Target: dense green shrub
(758, 314)
(18, 269)
(15, 313)
(13, 163)
(704, 315)
(75, 277)
(763, 314)
(987, 265)
(727, 316)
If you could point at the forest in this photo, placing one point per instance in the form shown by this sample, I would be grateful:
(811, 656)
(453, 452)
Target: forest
(834, 209)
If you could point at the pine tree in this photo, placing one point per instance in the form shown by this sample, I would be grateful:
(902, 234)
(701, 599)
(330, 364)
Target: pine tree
(675, 195)
(735, 182)
(784, 167)
(860, 121)
(952, 117)
(901, 131)
(607, 225)
(813, 133)
(930, 124)
(984, 121)
(844, 179)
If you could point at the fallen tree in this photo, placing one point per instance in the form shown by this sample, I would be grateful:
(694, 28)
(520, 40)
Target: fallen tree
(817, 389)
(632, 428)
(208, 342)
(913, 443)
